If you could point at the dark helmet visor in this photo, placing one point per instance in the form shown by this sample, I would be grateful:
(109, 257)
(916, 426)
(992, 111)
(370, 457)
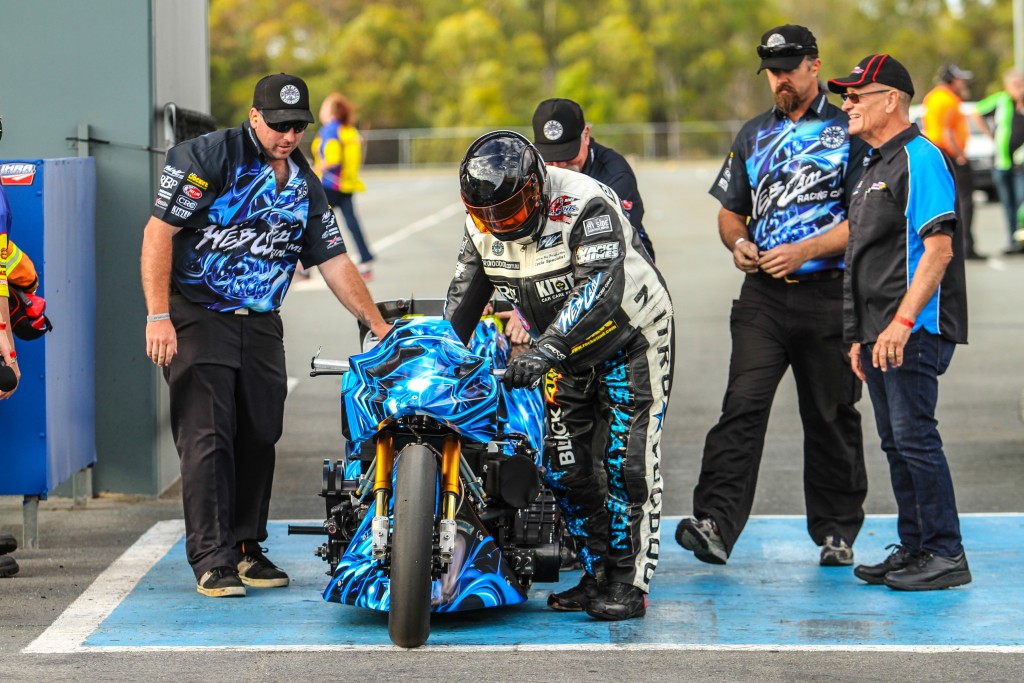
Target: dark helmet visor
(509, 215)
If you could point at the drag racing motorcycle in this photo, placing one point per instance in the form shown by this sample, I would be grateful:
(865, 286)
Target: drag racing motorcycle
(439, 503)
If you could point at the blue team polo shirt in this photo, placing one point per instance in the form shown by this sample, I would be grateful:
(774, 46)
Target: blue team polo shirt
(906, 193)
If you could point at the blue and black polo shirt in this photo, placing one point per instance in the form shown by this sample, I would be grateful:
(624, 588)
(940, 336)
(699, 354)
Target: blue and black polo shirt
(240, 238)
(906, 193)
(792, 178)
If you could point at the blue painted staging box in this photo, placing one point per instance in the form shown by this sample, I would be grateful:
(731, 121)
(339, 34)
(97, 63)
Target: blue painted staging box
(49, 425)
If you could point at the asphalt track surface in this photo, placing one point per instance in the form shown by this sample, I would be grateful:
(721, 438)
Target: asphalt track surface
(771, 614)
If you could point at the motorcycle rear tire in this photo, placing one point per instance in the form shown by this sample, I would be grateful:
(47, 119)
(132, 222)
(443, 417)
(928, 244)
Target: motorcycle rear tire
(412, 546)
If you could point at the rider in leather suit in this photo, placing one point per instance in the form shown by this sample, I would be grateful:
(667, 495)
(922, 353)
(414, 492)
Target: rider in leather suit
(556, 244)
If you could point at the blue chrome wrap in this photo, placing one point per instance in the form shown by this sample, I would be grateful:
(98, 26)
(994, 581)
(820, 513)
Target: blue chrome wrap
(477, 577)
(419, 367)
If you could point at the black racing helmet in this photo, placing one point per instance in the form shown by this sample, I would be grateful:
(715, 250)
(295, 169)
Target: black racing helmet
(502, 182)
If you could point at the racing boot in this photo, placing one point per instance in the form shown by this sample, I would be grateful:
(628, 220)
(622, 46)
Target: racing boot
(618, 601)
(576, 598)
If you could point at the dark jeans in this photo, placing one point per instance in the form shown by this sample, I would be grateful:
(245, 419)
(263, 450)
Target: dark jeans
(343, 201)
(1010, 186)
(965, 194)
(776, 326)
(228, 385)
(904, 399)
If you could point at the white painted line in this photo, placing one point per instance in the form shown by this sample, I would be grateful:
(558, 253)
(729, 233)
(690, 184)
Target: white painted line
(639, 647)
(85, 614)
(419, 226)
(315, 282)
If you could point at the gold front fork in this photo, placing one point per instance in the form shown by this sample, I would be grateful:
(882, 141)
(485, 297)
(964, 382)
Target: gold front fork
(451, 457)
(382, 473)
(380, 525)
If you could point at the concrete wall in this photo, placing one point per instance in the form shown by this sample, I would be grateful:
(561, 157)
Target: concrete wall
(111, 64)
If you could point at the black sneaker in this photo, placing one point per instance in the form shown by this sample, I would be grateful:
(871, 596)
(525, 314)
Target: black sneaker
(576, 598)
(701, 537)
(256, 570)
(8, 543)
(8, 566)
(875, 573)
(835, 552)
(930, 572)
(617, 602)
(221, 582)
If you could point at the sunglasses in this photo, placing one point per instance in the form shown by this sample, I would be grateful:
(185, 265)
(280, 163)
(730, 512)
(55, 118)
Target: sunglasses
(855, 96)
(785, 50)
(285, 126)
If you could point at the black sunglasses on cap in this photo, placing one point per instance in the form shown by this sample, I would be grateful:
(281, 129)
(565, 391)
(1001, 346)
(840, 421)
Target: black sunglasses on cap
(785, 50)
(285, 126)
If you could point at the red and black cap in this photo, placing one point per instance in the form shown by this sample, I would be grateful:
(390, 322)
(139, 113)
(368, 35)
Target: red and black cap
(875, 69)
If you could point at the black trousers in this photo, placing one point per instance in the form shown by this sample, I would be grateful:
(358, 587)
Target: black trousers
(228, 385)
(775, 326)
(964, 182)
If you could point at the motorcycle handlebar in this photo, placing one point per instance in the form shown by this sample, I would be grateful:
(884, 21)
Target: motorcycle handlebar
(325, 366)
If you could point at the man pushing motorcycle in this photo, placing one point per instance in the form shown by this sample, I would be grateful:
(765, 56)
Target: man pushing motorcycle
(556, 245)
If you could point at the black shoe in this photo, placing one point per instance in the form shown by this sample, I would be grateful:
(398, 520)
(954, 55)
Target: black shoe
(618, 601)
(875, 573)
(256, 570)
(576, 598)
(701, 537)
(8, 566)
(835, 552)
(930, 572)
(221, 582)
(8, 543)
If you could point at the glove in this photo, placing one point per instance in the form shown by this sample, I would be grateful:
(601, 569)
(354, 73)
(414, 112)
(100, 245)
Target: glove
(528, 368)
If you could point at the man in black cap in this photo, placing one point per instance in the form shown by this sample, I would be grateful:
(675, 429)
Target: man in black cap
(783, 190)
(903, 248)
(562, 136)
(234, 212)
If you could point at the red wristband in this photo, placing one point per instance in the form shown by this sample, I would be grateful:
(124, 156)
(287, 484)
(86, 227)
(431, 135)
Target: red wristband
(13, 354)
(904, 321)
(3, 326)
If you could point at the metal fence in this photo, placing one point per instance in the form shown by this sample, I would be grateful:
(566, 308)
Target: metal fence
(407, 147)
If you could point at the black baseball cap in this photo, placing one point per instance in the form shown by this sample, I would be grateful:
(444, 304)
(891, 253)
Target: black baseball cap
(558, 126)
(881, 69)
(784, 47)
(951, 72)
(280, 98)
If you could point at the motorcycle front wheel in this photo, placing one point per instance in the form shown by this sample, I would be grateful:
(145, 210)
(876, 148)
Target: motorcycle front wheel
(412, 546)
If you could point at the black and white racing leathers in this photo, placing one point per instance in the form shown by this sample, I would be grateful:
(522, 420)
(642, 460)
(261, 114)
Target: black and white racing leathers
(586, 284)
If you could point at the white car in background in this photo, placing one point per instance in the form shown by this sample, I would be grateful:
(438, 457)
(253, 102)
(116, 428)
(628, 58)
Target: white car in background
(980, 150)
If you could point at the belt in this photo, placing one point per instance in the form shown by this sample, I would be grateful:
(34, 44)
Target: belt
(816, 276)
(249, 311)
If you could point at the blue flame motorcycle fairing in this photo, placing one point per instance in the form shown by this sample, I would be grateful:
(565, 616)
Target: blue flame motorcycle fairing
(419, 386)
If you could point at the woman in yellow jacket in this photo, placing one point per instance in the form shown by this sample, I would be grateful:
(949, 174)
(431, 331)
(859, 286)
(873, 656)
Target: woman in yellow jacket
(338, 153)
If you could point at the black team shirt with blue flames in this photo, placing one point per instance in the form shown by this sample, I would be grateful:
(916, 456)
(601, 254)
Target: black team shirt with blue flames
(241, 239)
(793, 179)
